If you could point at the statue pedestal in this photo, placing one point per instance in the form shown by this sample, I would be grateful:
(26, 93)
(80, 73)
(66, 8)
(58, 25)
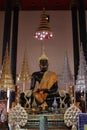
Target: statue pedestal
(51, 121)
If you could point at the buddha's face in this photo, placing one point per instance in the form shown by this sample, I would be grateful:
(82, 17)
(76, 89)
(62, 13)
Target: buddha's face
(43, 65)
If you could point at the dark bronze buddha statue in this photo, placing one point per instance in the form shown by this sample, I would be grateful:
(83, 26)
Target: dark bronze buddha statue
(44, 88)
(44, 83)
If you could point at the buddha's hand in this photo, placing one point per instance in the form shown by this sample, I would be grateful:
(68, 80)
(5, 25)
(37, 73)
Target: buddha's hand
(41, 92)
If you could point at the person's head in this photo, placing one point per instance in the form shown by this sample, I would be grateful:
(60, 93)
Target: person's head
(43, 65)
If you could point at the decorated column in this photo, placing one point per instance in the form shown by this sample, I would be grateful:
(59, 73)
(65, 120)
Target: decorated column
(81, 82)
(6, 81)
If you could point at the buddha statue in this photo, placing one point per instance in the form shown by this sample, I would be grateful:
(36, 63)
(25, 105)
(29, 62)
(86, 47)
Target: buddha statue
(44, 89)
(44, 84)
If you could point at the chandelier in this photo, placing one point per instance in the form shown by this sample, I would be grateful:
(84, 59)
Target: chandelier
(43, 32)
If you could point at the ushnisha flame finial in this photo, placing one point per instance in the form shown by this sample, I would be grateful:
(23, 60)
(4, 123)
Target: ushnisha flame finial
(43, 56)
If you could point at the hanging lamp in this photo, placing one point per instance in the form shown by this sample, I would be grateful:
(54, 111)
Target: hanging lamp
(43, 32)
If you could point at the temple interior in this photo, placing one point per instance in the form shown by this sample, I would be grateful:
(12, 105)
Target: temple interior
(43, 65)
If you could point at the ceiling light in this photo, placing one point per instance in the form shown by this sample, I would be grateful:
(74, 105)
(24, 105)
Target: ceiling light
(43, 32)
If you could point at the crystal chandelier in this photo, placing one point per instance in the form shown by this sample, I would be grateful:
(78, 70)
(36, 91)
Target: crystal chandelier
(43, 32)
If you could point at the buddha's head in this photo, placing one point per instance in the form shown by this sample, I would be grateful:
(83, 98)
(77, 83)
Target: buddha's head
(43, 62)
(43, 65)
